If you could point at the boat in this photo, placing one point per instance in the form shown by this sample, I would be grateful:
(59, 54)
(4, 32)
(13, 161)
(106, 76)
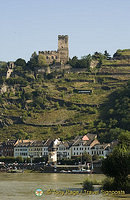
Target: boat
(15, 171)
(10, 170)
(81, 171)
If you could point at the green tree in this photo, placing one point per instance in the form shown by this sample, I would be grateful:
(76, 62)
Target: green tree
(20, 62)
(42, 61)
(87, 157)
(98, 56)
(107, 55)
(117, 164)
(21, 134)
(33, 63)
(95, 157)
(73, 62)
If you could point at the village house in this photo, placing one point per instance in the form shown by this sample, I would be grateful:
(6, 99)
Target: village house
(28, 148)
(83, 144)
(21, 148)
(7, 148)
(101, 150)
(64, 150)
(46, 146)
(35, 149)
(56, 149)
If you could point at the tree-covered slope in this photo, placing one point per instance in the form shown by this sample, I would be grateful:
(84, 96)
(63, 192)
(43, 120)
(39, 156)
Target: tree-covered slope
(39, 105)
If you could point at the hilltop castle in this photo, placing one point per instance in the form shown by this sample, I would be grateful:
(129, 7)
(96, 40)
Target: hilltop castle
(59, 56)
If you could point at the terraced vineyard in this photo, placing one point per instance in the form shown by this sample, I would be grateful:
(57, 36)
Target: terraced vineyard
(50, 107)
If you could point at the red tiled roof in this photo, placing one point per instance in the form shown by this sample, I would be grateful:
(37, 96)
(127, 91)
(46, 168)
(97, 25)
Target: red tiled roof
(85, 137)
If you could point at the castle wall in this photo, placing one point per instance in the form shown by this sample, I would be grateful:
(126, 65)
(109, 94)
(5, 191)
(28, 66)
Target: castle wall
(59, 56)
(50, 56)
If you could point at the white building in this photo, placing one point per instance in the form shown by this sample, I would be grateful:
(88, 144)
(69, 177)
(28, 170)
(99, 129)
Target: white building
(83, 144)
(64, 150)
(101, 150)
(46, 146)
(35, 149)
(56, 149)
(28, 148)
(21, 148)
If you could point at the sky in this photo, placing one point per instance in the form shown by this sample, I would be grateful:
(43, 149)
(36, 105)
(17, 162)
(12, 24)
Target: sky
(34, 25)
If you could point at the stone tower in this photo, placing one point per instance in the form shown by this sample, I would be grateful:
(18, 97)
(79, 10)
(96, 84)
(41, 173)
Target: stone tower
(59, 56)
(63, 48)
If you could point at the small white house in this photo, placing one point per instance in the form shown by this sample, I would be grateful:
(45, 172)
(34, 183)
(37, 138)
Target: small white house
(64, 150)
(101, 150)
(83, 144)
(21, 148)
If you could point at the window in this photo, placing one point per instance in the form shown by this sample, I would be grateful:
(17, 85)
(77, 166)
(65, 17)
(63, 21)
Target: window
(77, 153)
(52, 57)
(47, 57)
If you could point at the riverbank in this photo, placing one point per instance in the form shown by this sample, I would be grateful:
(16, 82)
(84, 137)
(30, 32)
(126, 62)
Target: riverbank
(42, 168)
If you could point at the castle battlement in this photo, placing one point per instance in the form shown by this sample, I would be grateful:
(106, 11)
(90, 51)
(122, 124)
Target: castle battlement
(47, 52)
(62, 53)
(62, 36)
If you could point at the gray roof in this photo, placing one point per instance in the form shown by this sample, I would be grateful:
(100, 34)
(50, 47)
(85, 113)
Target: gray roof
(47, 142)
(80, 141)
(102, 146)
(67, 144)
(29, 143)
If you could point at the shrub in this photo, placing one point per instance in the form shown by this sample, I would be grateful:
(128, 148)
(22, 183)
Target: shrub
(95, 157)
(108, 183)
(88, 185)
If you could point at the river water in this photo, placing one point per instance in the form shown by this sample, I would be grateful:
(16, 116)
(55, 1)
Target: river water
(23, 186)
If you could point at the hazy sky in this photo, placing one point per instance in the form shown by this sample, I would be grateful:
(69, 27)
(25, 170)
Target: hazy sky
(92, 25)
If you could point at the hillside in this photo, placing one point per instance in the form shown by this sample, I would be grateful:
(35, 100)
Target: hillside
(41, 105)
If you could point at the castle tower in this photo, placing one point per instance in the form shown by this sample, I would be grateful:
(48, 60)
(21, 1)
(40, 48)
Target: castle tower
(63, 48)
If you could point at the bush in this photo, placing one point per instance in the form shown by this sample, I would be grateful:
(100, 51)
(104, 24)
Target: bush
(108, 184)
(95, 157)
(111, 184)
(88, 185)
(9, 159)
(92, 110)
